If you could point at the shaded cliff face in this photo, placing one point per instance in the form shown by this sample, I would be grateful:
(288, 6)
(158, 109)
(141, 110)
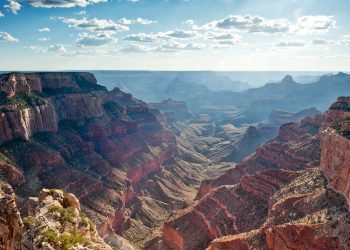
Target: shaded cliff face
(64, 131)
(276, 198)
(11, 226)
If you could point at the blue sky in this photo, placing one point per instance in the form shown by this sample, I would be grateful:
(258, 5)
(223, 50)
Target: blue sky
(175, 34)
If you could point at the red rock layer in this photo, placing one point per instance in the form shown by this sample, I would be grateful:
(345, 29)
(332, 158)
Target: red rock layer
(335, 161)
(291, 208)
(225, 210)
(296, 146)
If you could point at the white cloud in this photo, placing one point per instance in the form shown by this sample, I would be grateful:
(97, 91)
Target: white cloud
(189, 22)
(44, 39)
(224, 38)
(181, 34)
(139, 20)
(176, 46)
(345, 41)
(100, 39)
(57, 48)
(312, 24)
(248, 23)
(162, 36)
(259, 24)
(1, 14)
(136, 48)
(171, 46)
(95, 24)
(44, 30)
(320, 41)
(143, 37)
(13, 6)
(62, 3)
(6, 37)
(228, 42)
(290, 44)
(83, 13)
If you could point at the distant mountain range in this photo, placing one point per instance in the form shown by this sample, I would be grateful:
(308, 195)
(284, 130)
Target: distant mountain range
(248, 105)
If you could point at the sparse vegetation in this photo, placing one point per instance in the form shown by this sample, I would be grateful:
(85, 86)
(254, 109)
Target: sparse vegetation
(342, 126)
(67, 214)
(62, 241)
(23, 100)
(113, 110)
(27, 221)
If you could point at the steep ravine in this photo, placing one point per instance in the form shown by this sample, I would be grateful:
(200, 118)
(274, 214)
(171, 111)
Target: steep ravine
(279, 197)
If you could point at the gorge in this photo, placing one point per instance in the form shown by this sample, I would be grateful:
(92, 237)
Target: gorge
(82, 167)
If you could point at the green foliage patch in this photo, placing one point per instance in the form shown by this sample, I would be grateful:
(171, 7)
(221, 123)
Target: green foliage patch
(23, 100)
(62, 241)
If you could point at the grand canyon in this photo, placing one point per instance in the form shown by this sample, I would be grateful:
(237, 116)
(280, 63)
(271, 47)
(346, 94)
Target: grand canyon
(83, 167)
(174, 125)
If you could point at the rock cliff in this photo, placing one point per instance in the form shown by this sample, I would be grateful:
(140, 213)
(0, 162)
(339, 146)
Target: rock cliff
(11, 226)
(63, 130)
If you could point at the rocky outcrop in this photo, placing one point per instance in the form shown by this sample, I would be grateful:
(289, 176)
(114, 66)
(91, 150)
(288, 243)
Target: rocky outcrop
(245, 241)
(11, 226)
(58, 223)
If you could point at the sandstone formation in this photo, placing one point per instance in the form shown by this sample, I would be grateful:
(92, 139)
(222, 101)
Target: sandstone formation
(11, 226)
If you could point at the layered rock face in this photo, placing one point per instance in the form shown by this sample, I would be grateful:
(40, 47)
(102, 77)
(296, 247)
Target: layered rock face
(23, 123)
(11, 226)
(62, 130)
(335, 146)
(296, 146)
(277, 198)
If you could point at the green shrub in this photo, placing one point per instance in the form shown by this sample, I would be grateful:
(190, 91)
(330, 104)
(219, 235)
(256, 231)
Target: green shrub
(23, 100)
(27, 221)
(67, 214)
(62, 241)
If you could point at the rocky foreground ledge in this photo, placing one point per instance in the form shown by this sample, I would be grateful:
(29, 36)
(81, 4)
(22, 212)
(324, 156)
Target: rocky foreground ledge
(55, 221)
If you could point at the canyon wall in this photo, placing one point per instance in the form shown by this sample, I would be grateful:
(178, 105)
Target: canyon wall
(11, 226)
(63, 130)
(291, 194)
